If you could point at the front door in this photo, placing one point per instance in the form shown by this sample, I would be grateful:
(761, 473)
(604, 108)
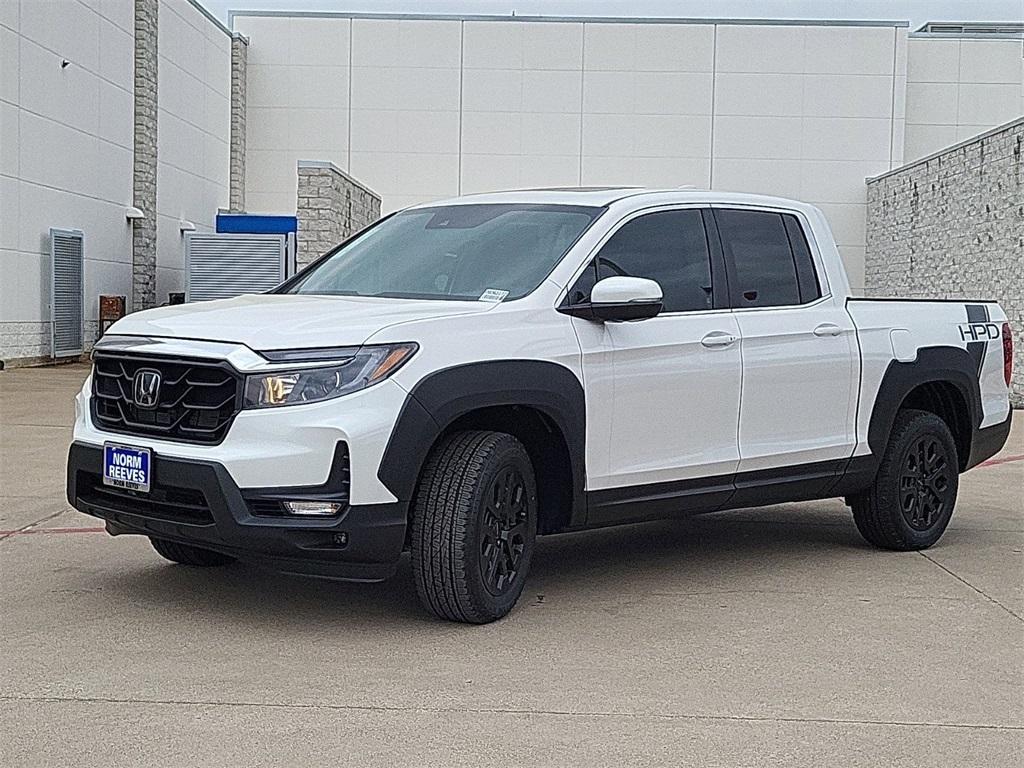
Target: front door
(663, 394)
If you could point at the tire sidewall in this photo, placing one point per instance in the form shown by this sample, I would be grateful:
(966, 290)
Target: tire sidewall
(509, 453)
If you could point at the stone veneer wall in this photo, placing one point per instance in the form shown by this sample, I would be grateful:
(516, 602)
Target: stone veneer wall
(144, 167)
(331, 206)
(239, 65)
(951, 225)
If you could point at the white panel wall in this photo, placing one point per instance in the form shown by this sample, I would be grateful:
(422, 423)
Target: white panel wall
(193, 133)
(521, 96)
(297, 103)
(808, 112)
(405, 102)
(442, 107)
(647, 104)
(958, 88)
(65, 156)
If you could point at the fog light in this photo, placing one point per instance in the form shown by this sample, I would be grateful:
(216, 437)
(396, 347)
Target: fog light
(320, 508)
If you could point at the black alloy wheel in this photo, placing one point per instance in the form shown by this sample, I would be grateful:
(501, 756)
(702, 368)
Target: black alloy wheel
(504, 531)
(925, 483)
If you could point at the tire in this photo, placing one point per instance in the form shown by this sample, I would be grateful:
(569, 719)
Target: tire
(189, 555)
(911, 500)
(474, 522)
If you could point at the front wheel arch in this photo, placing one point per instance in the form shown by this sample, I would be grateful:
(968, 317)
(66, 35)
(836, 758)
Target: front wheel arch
(476, 396)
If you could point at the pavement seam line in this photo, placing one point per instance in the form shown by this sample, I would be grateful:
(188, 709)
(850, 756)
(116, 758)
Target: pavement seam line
(504, 711)
(38, 426)
(52, 516)
(967, 583)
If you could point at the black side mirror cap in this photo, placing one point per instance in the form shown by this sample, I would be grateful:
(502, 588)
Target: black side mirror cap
(625, 312)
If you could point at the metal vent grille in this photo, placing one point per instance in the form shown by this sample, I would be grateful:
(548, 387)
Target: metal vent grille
(1008, 29)
(66, 292)
(221, 266)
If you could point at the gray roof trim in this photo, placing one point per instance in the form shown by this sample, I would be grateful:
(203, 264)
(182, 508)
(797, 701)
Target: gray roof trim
(233, 14)
(966, 35)
(946, 150)
(216, 22)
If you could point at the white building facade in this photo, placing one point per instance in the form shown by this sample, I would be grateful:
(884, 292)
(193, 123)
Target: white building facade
(420, 108)
(67, 132)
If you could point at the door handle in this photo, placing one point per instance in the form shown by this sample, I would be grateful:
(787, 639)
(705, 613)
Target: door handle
(718, 339)
(828, 329)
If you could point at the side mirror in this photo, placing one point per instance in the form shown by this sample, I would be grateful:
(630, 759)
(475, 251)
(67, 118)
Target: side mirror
(620, 299)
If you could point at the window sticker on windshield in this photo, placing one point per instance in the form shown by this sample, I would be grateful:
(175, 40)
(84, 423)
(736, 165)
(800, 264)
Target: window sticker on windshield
(493, 294)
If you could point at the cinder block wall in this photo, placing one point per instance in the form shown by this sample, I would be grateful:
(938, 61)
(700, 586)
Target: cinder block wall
(951, 225)
(331, 206)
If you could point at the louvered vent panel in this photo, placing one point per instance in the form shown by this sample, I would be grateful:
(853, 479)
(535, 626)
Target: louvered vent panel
(221, 265)
(66, 292)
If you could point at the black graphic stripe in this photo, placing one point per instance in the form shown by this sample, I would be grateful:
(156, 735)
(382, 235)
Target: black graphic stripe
(977, 313)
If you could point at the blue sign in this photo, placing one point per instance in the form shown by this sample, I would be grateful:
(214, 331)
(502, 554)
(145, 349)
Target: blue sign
(256, 224)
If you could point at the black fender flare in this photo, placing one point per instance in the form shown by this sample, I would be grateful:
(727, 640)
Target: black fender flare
(440, 398)
(951, 365)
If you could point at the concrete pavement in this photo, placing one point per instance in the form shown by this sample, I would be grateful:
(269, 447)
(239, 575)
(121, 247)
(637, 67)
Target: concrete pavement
(770, 637)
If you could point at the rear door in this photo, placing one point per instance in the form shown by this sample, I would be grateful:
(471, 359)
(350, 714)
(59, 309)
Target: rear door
(799, 353)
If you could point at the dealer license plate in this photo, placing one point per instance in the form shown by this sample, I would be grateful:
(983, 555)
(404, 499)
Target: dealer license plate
(125, 467)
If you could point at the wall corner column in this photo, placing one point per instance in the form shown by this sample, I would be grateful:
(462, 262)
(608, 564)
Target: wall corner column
(239, 65)
(144, 168)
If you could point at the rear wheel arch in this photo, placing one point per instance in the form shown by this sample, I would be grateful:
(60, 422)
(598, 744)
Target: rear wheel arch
(540, 403)
(943, 381)
(947, 401)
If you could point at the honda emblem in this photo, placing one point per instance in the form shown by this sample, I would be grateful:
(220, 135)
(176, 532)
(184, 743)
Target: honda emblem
(146, 388)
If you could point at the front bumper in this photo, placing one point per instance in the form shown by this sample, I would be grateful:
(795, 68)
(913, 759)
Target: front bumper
(284, 446)
(197, 502)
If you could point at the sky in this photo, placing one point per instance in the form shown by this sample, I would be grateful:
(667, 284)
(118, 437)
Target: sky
(917, 12)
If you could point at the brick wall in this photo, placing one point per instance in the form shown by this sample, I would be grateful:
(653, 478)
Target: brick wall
(239, 68)
(331, 206)
(951, 225)
(145, 161)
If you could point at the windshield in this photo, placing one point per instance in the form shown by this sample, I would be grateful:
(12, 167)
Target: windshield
(463, 252)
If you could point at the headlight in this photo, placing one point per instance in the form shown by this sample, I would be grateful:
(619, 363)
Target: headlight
(367, 366)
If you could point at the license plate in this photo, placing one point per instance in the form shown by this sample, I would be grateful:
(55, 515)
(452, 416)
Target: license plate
(125, 467)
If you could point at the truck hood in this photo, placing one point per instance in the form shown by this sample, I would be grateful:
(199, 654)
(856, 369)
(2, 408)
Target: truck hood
(278, 321)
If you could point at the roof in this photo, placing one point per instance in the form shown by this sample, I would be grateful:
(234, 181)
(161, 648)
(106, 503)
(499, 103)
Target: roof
(516, 17)
(603, 196)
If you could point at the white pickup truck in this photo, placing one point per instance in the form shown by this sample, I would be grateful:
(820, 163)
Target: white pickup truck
(463, 376)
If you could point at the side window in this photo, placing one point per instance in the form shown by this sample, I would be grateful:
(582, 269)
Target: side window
(580, 291)
(764, 262)
(806, 275)
(669, 247)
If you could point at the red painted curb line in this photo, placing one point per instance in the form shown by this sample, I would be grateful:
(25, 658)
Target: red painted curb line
(1006, 460)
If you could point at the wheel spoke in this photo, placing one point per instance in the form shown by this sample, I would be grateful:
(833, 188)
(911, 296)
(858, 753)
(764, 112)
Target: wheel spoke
(493, 562)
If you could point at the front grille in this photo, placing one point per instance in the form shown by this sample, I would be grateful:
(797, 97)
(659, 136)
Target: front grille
(196, 402)
(180, 505)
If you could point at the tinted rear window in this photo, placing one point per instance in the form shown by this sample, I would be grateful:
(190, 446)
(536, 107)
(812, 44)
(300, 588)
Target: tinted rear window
(770, 256)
